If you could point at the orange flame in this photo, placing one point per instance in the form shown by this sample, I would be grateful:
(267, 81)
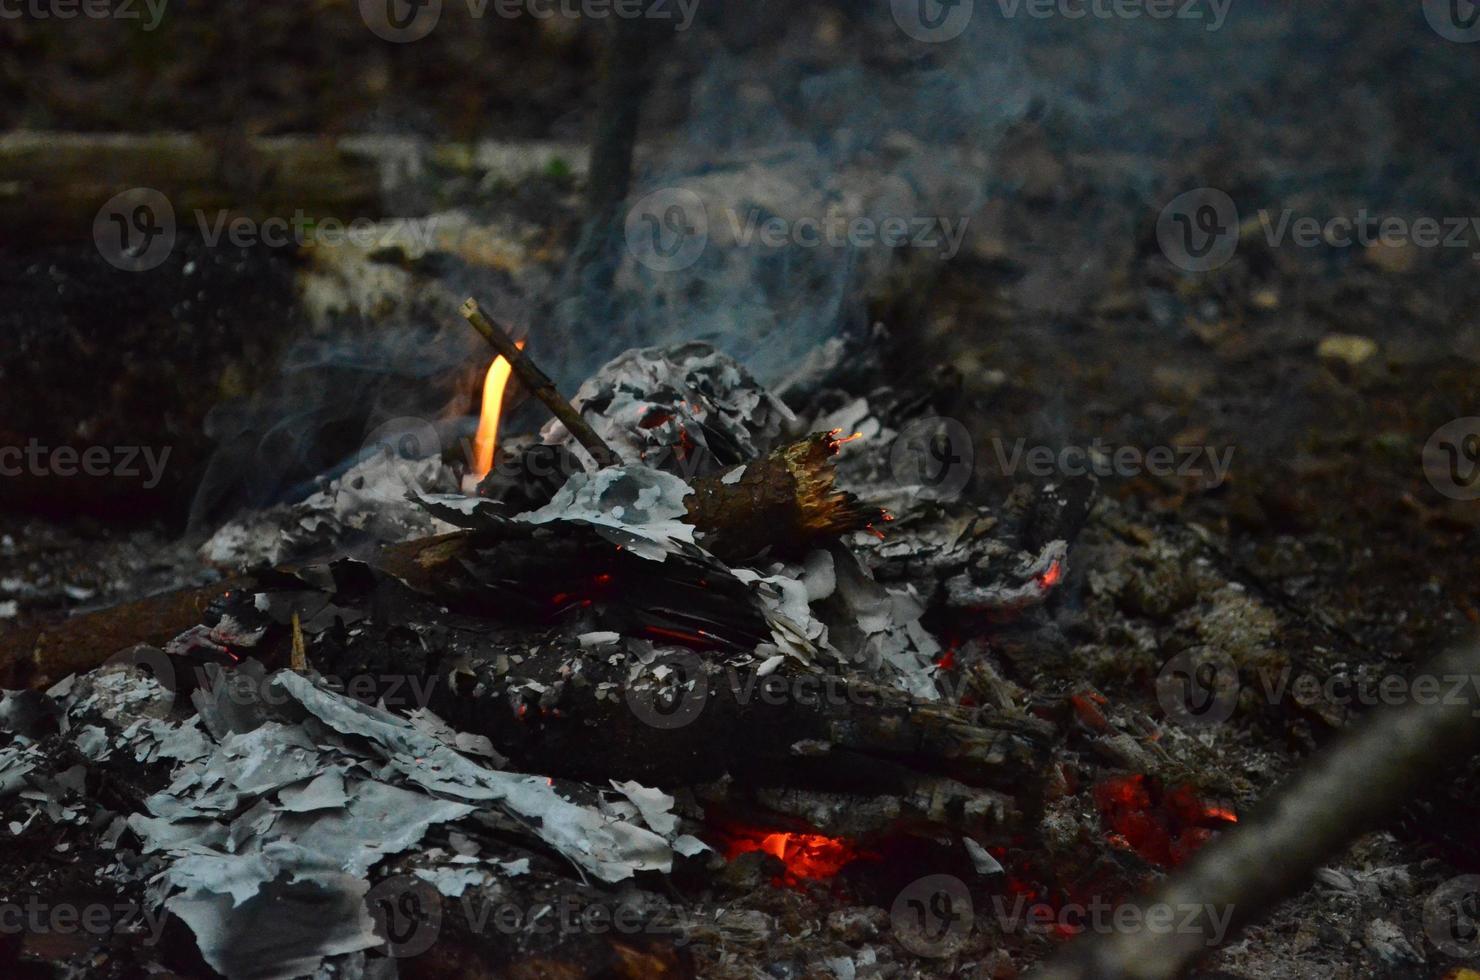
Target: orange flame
(486, 441)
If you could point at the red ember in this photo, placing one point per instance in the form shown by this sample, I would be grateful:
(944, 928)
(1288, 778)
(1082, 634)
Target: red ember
(811, 856)
(1163, 826)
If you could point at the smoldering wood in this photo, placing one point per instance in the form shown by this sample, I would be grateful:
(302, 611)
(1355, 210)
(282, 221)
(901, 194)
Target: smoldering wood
(786, 501)
(795, 743)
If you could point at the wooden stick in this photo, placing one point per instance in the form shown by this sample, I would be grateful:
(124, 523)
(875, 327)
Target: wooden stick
(539, 384)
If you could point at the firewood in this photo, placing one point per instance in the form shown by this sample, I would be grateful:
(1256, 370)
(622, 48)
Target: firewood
(786, 502)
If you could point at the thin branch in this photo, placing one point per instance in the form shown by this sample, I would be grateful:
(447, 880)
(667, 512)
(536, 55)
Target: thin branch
(539, 384)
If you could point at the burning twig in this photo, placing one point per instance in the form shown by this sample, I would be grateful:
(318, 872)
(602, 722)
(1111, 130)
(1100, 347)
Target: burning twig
(1356, 786)
(539, 384)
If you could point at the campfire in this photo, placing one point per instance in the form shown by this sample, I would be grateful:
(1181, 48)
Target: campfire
(686, 654)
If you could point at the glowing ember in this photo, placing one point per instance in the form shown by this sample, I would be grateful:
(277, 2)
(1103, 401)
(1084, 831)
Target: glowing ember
(486, 441)
(811, 856)
(1053, 576)
(1164, 827)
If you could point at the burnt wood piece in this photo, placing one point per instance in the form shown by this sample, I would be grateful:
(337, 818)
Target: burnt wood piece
(786, 501)
(670, 716)
(39, 655)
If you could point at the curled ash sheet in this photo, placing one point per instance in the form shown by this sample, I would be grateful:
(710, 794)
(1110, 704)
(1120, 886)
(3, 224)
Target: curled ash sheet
(280, 806)
(637, 507)
(650, 402)
(1026, 582)
(832, 604)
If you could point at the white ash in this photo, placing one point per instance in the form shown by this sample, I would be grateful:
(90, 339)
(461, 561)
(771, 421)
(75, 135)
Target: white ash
(372, 501)
(273, 823)
(637, 507)
(648, 402)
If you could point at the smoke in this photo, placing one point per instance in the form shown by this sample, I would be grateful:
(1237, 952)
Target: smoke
(786, 146)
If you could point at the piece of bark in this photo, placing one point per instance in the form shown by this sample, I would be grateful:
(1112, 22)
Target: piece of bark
(787, 501)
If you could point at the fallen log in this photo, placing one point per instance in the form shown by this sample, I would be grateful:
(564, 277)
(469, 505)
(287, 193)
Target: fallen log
(52, 184)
